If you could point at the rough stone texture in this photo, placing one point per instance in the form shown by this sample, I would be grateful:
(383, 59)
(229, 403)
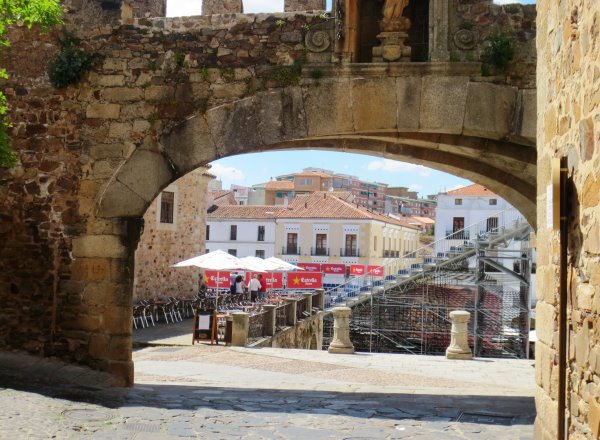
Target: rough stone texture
(94, 156)
(569, 112)
(306, 334)
(163, 244)
(303, 5)
(211, 7)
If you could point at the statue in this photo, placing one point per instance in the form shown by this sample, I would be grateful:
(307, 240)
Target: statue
(393, 21)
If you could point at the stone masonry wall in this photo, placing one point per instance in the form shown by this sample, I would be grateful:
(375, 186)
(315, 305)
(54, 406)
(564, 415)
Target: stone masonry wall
(474, 22)
(303, 5)
(569, 125)
(212, 7)
(163, 244)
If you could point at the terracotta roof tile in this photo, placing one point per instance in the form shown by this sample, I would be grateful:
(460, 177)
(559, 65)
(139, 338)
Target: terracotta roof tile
(245, 212)
(471, 190)
(284, 185)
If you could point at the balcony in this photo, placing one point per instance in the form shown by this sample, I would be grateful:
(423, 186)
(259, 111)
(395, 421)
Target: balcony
(290, 250)
(458, 235)
(319, 251)
(349, 252)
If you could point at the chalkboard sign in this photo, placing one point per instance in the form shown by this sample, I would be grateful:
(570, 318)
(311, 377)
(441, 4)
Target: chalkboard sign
(205, 326)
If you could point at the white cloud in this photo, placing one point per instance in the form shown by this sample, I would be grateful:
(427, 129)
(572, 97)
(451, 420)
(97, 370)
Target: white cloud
(394, 166)
(415, 187)
(183, 8)
(227, 174)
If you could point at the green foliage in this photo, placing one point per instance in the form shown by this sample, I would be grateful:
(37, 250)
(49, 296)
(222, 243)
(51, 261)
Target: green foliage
(279, 24)
(287, 75)
(71, 63)
(204, 73)
(500, 52)
(46, 14)
(180, 59)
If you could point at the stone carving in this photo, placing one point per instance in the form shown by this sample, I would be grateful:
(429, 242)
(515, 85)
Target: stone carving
(317, 41)
(459, 344)
(393, 34)
(393, 21)
(465, 39)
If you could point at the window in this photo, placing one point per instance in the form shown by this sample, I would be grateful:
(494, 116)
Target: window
(493, 202)
(351, 246)
(458, 223)
(321, 244)
(458, 201)
(207, 232)
(232, 252)
(492, 224)
(241, 202)
(167, 203)
(260, 253)
(292, 243)
(233, 232)
(261, 233)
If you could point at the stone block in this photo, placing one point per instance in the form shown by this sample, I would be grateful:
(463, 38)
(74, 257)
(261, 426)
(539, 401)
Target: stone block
(159, 93)
(594, 416)
(212, 7)
(122, 371)
(115, 64)
(372, 100)
(328, 113)
(90, 269)
(98, 346)
(120, 130)
(547, 410)
(527, 115)
(108, 80)
(280, 115)
(120, 201)
(103, 111)
(122, 94)
(408, 95)
(118, 321)
(545, 323)
(229, 90)
(190, 144)
(490, 110)
(443, 103)
(146, 173)
(240, 134)
(102, 246)
(120, 348)
(303, 5)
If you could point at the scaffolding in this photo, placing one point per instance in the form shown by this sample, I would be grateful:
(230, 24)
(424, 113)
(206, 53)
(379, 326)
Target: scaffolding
(488, 277)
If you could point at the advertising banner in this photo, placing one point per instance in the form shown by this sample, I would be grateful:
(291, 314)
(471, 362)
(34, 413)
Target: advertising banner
(210, 279)
(357, 269)
(305, 280)
(310, 267)
(274, 279)
(334, 269)
(376, 271)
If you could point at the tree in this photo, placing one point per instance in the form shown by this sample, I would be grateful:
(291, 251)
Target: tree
(46, 13)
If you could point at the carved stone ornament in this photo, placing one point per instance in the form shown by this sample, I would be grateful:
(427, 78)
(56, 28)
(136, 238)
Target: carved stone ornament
(466, 39)
(317, 41)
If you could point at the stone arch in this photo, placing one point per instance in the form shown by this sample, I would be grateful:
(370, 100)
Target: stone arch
(483, 132)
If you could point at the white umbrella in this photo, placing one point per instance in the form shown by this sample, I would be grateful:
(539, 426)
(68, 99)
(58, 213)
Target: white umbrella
(264, 265)
(282, 265)
(220, 261)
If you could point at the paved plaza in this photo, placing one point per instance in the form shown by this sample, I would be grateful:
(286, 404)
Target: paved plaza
(216, 392)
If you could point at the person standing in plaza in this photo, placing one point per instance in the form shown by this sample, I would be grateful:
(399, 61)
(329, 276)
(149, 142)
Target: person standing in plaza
(254, 287)
(263, 286)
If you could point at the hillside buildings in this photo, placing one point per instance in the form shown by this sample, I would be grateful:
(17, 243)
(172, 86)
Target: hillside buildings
(323, 227)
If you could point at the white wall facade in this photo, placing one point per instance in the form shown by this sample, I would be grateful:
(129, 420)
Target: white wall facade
(246, 243)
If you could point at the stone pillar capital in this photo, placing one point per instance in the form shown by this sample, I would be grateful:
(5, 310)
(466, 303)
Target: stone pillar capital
(459, 343)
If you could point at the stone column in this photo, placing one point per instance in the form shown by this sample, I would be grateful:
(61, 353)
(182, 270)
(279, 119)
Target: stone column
(291, 318)
(270, 319)
(303, 5)
(212, 7)
(438, 30)
(240, 329)
(341, 331)
(459, 344)
(308, 297)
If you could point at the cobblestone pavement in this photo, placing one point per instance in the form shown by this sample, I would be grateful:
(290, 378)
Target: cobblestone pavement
(211, 392)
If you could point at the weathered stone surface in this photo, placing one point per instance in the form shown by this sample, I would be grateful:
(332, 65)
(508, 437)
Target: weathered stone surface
(443, 102)
(210, 7)
(99, 246)
(490, 110)
(103, 111)
(371, 104)
(190, 144)
(145, 173)
(330, 113)
(303, 5)
(408, 95)
(527, 114)
(120, 201)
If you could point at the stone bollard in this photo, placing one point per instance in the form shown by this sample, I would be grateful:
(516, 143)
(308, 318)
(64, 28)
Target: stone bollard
(341, 331)
(239, 332)
(270, 318)
(459, 344)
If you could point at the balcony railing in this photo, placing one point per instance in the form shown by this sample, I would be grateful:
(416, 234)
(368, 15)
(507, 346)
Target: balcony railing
(458, 235)
(290, 250)
(319, 251)
(391, 254)
(349, 252)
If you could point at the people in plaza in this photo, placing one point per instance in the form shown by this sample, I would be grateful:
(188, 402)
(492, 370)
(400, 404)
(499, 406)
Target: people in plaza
(254, 287)
(201, 287)
(263, 286)
(240, 287)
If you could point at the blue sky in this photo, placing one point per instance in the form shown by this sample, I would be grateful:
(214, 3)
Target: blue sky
(250, 169)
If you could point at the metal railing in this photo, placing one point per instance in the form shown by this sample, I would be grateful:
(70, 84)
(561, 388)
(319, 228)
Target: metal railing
(319, 251)
(301, 309)
(446, 252)
(256, 325)
(281, 316)
(290, 250)
(349, 252)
